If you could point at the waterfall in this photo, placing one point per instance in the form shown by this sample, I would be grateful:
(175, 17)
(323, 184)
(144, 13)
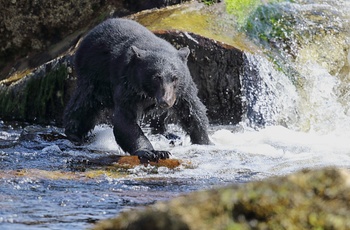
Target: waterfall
(301, 78)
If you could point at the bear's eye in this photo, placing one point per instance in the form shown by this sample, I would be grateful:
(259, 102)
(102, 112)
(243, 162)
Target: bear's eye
(174, 78)
(157, 78)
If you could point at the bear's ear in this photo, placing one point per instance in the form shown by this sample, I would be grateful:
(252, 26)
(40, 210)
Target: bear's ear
(139, 53)
(184, 52)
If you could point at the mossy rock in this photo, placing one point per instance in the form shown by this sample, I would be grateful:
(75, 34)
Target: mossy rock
(306, 200)
(39, 96)
(288, 28)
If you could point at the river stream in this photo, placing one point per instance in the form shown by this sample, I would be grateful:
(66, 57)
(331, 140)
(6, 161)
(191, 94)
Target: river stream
(293, 122)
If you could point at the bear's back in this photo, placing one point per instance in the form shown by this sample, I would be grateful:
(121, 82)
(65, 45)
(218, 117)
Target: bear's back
(121, 34)
(112, 39)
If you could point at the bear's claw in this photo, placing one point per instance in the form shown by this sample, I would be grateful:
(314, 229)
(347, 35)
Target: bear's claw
(146, 156)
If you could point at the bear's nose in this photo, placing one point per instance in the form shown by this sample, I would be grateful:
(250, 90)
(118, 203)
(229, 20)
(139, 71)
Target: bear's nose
(162, 103)
(166, 98)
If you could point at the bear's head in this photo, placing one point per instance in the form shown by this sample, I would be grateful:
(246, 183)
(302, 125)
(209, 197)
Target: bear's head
(160, 75)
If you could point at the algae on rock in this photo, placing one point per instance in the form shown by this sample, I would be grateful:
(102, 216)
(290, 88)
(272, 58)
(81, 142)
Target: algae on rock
(208, 21)
(316, 32)
(317, 199)
(39, 96)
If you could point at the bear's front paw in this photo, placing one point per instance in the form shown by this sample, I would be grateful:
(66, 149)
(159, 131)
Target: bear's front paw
(146, 156)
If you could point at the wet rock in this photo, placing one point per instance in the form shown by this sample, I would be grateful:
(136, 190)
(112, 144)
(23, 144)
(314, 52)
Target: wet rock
(305, 200)
(215, 68)
(310, 31)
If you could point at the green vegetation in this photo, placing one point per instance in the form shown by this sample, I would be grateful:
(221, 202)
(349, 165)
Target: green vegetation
(243, 8)
(272, 25)
(46, 95)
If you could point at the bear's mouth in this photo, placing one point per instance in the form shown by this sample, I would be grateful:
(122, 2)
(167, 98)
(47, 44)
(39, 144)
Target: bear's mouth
(166, 103)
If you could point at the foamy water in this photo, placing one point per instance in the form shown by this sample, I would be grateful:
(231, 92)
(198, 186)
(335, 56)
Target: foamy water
(256, 154)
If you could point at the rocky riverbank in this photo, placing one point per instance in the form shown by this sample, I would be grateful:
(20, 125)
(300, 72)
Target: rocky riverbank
(306, 200)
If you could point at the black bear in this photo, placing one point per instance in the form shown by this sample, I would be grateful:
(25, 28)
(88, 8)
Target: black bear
(124, 67)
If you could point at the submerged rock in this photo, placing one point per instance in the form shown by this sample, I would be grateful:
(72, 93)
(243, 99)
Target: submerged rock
(305, 200)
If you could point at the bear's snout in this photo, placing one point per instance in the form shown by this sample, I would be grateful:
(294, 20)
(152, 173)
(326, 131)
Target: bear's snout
(167, 100)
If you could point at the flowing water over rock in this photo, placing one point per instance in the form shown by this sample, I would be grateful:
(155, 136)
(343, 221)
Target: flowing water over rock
(297, 117)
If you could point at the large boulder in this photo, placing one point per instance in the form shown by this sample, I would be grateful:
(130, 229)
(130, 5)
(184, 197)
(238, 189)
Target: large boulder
(306, 200)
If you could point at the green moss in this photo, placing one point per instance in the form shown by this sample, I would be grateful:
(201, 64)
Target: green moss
(45, 97)
(209, 22)
(34, 98)
(209, 2)
(270, 23)
(243, 8)
(272, 26)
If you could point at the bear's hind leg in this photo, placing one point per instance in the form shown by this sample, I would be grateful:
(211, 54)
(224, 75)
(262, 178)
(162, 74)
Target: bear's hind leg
(80, 113)
(193, 119)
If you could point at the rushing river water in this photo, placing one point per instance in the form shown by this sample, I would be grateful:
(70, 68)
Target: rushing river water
(293, 122)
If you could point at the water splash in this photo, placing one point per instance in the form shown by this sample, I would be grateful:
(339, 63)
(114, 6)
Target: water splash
(270, 96)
